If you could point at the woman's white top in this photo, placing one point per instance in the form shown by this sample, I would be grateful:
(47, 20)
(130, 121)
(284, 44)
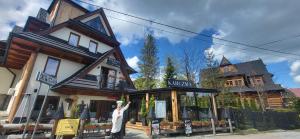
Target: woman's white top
(117, 118)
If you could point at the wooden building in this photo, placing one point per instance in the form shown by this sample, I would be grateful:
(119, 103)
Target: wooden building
(73, 44)
(248, 80)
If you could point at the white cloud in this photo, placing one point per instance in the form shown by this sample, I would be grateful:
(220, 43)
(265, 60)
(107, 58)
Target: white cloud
(17, 12)
(252, 22)
(133, 62)
(295, 71)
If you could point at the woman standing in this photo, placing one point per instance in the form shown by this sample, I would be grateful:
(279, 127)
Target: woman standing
(117, 119)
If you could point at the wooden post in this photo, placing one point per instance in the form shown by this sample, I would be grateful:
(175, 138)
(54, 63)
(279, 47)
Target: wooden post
(214, 106)
(23, 85)
(147, 101)
(54, 128)
(174, 105)
(81, 128)
(213, 125)
(230, 125)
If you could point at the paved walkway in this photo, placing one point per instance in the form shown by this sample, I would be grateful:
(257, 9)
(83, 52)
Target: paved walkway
(279, 134)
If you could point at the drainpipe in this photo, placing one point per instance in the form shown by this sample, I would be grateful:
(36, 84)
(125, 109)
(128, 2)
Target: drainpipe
(13, 80)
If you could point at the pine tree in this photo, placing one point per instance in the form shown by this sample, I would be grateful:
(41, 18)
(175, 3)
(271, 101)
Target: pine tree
(170, 71)
(149, 64)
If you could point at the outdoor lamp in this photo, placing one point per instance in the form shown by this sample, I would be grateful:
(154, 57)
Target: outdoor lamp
(151, 114)
(59, 113)
(185, 113)
(85, 115)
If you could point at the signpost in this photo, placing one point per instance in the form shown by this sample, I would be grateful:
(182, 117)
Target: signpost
(188, 126)
(67, 127)
(50, 81)
(155, 127)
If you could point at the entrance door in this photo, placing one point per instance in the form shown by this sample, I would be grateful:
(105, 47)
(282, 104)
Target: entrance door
(102, 109)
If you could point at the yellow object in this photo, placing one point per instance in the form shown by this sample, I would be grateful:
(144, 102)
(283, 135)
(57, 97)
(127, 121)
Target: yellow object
(67, 127)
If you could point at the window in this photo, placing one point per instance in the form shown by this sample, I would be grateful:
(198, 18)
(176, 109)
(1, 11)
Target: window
(238, 82)
(96, 23)
(93, 47)
(74, 39)
(226, 69)
(229, 83)
(51, 66)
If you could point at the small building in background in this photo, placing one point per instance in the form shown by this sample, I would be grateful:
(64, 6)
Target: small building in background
(247, 80)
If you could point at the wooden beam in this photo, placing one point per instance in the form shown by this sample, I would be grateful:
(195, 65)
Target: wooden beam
(22, 48)
(214, 105)
(17, 58)
(174, 105)
(19, 54)
(23, 85)
(147, 101)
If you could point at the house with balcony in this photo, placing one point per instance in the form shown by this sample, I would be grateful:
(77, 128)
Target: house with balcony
(248, 80)
(72, 44)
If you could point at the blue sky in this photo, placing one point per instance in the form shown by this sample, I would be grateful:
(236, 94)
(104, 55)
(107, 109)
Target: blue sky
(253, 22)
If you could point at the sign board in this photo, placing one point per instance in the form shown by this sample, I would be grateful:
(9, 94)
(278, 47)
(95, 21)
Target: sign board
(179, 83)
(113, 62)
(67, 127)
(160, 109)
(155, 127)
(46, 78)
(188, 126)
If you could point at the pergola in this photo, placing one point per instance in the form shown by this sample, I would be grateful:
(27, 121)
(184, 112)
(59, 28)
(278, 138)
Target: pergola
(174, 91)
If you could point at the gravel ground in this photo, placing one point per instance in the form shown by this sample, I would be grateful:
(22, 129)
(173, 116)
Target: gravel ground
(277, 134)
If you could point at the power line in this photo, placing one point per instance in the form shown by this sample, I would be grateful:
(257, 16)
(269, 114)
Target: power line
(189, 31)
(279, 40)
(197, 38)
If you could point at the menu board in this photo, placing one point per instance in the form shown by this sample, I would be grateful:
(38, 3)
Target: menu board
(155, 127)
(160, 109)
(188, 126)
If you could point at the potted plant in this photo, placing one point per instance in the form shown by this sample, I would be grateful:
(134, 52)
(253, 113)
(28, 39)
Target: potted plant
(143, 112)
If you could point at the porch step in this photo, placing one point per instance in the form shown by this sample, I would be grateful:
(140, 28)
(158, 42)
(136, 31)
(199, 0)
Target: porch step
(137, 126)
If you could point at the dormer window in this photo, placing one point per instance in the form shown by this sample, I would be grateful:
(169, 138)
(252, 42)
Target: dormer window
(74, 39)
(93, 47)
(96, 23)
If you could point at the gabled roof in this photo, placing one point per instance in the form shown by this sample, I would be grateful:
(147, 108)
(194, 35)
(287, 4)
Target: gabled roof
(86, 30)
(77, 78)
(224, 62)
(101, 12)
(295, 91)
(55, 43)
(79, 74)
(70, 2)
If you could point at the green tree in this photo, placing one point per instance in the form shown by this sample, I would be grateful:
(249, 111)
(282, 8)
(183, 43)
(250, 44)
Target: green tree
(143, 110)
(139, 83)
(149, 64)
(170, 71)
(253, 105)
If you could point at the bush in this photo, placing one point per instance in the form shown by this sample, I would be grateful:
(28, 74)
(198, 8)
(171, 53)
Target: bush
(143, 108)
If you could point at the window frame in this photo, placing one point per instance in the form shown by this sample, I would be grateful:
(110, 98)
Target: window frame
(57, 68)
(96, 50)
(72, 33)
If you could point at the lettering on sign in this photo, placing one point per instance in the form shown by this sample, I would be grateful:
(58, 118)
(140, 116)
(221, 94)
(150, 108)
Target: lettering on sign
(46, 78)
(179, 83)
(113, 62)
